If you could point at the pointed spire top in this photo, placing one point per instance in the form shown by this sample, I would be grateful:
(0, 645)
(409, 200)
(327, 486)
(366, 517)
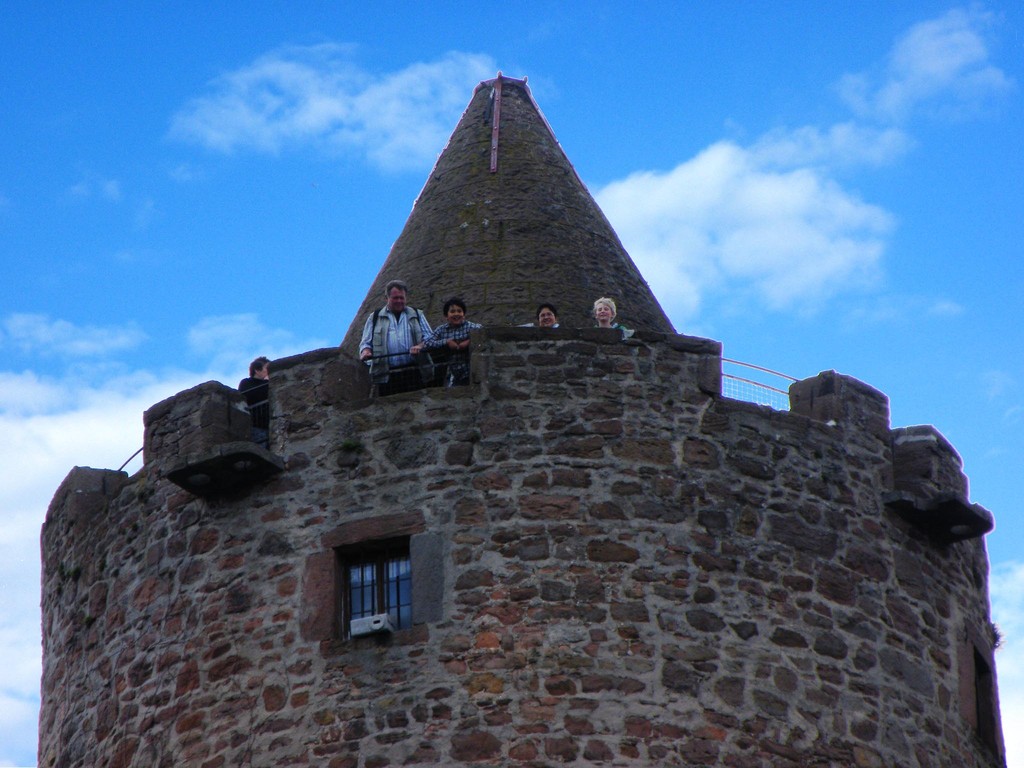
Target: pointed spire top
(505, 222)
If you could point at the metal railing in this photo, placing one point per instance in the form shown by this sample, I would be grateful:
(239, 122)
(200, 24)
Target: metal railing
(756, 384)
(426, 373)
(129, 459)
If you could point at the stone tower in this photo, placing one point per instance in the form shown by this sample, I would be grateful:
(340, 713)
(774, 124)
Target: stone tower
(588, 556)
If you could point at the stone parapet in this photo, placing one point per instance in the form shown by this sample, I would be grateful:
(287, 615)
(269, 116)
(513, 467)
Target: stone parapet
(930, 488)
(833, 398)
(85, 491)
(195, 422)
(925, 464)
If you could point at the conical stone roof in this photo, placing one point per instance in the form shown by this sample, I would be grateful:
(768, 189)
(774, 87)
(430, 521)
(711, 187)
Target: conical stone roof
(509, 239)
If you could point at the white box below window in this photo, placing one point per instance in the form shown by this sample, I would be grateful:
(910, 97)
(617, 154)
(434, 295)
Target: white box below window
(370, 625)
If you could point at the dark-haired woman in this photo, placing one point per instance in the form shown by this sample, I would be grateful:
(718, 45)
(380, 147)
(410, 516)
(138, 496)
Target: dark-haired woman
(453, 335)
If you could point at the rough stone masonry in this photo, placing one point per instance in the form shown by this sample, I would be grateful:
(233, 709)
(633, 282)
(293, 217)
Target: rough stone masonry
(612, 565)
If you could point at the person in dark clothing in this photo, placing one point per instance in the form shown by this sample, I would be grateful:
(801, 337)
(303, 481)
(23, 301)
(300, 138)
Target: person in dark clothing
(256, 389)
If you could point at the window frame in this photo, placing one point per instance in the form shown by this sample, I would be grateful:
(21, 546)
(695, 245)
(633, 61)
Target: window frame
(986, 717)
(979, 697)
(322, 614)
(376, 557)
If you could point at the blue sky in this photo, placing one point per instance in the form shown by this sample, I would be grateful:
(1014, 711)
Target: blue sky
(818, 186)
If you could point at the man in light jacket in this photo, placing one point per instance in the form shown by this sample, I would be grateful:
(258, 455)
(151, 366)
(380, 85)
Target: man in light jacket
(388, 335)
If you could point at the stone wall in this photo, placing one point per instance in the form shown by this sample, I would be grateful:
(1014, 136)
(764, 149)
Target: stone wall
(612, 565)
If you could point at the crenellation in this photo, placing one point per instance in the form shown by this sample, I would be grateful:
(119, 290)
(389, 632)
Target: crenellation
(195, 421)
(925, 464)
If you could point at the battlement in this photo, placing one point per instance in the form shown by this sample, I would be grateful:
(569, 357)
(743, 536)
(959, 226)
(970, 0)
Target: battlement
(203, 432)
(608, 562)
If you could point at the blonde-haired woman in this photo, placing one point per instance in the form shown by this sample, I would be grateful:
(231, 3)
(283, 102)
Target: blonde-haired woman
(604, 313)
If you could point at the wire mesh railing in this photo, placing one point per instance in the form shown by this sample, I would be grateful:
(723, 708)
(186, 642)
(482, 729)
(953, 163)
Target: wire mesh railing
(755, 384)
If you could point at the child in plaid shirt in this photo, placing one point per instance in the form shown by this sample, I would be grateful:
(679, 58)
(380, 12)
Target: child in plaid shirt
(453, 335)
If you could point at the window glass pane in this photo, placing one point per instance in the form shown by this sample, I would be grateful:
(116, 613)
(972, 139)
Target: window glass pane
(404, 590)
(398, 566)
(399, 590)
(362, 590)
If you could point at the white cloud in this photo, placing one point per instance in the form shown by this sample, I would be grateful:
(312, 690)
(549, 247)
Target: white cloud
(185, 173)
(18, 726)
(1014, 414)
(23, 658)
(996, 383)
(52, 424)
(111, 190)
(898, 308)
(98, 427)
(27, 393)
(316, 95)
(771, 222)
(81, 189)
(940, 66)
(125, 256)
(786, 233)
(145, 213)
(1006, 587)
(842, 145)
(945, 308)
(38, 334)
(108, 189)
(231, 342)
